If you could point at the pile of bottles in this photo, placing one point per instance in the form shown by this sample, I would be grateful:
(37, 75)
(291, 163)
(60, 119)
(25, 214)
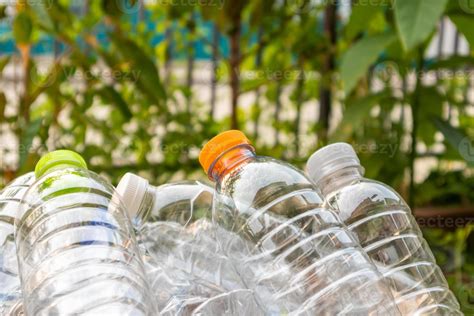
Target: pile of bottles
(267, 239)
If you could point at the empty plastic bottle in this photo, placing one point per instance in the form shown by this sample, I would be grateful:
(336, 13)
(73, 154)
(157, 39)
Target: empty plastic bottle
(276, 207)
(10, 202)
(187, 271)
(76, 249)
(386, 230)
(190, 274)
(181, 202)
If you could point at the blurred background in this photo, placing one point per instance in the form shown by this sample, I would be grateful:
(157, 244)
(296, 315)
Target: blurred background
(139, 86)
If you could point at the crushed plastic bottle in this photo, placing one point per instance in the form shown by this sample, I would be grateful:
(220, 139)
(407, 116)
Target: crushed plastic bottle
(180, 202)
(273, 205)
(190, 274)
(10, 201)
(76, 249)
(386, 229)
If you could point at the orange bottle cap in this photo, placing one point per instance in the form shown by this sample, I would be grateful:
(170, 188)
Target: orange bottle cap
(220, 144)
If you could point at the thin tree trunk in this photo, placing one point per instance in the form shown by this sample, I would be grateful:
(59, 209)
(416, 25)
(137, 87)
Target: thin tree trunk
(215, 65)
(457, 39)
(57, 48)
(256, 122)
(441, 38)
(327, 70)
(441, 32)
(24, 100)
(168, 54)
(469, 87)
(235, 69)
(402, 110)
(142, 10)
(276, 118)
(86, 10)
(299, 105)
(190, 66)
(258, 92)
(415, 107)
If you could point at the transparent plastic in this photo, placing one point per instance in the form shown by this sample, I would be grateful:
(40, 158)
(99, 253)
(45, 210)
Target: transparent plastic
(276, 208)
(10, 202)
(181, 202)
(391, 237)
(190, 274)
(76, 249)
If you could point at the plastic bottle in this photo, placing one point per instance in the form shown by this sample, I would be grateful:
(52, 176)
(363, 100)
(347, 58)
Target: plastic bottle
(10, 201)
(277, 208)
(76, 249)
(190, 273)
(181, 202)
(386, 230)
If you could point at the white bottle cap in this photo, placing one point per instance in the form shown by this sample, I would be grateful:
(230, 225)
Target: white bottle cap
(132, 190)
(330, 159)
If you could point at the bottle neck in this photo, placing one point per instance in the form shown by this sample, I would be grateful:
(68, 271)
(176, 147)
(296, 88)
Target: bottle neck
(147, 203)
(338, 179)
(229, 160)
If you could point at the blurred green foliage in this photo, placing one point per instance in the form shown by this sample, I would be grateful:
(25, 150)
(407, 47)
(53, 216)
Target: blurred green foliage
(121, 105)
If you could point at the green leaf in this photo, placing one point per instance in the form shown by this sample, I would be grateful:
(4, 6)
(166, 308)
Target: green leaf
(40, 9)
(354, 115)
(361, 16)
(464, 24)
(116, 8)
(3, 11)
(145, 72)
(3, 104)
(460, 6)
(453, 62)
(416, 19)
(109, 94)
(359, 57)
(431, 106)
(4, 62)
(457, 139)
(22, 28)
(27, 140)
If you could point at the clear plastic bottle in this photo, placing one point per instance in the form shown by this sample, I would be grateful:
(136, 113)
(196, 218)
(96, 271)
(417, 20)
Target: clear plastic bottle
(181, 202)
(276, 207)
(10, 202)
(386, 230)
(190, 273)
(76, 249)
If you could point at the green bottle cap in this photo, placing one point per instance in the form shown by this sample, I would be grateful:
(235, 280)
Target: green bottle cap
(67, 158)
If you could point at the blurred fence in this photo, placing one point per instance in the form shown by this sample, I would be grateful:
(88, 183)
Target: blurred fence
(195, 63)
